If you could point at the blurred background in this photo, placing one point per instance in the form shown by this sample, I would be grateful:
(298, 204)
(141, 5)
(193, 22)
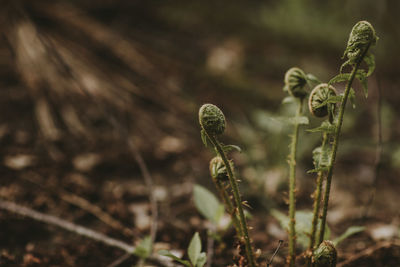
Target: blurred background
(89, 87)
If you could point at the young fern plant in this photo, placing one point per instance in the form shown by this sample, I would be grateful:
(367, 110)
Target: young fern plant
(295, 83)
(212, 122)
(361, 38)
(319, 107)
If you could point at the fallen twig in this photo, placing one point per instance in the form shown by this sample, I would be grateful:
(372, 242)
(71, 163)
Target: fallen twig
(80, 230)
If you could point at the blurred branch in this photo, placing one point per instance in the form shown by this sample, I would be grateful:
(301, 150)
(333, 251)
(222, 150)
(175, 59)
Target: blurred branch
(80, 230)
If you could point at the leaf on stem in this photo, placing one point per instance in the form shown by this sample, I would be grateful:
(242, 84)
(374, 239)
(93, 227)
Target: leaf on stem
(207, 204)
(303, 225)
(341, 77)
(172, 256)
(228, 148)
(143, 249)
(370, 61)
(288, 99)
(325, 127)
(194, 249)
(350, 231)
(312, 79)
(202, 259)
(301, 120)
(321, 157)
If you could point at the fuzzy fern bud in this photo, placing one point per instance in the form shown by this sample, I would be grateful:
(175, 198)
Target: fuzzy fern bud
(317, 102)
(325, 255)
(218, 170)
(211, 119)
(295, 82)
(361, 37)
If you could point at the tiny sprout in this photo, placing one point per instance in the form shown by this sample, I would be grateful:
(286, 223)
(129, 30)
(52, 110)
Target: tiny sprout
(325, 255)
(295, 81)
(361, 37)
(211, 119)
(317, 102)
(218, 170)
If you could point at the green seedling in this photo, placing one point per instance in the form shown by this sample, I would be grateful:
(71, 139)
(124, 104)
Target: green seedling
(143, 250)
(212, 122)
(295, 84)
(196, 257)
(362, 37)
(320, 106)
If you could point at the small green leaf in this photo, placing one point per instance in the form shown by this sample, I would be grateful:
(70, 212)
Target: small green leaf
(323, 169)
(370, 60)
(207, 204)
(288, 99)
(350, 231)
(312, 79)
(346, 63)
(303, 225)
(341, 77)
(194, 248)
(201, 261)
(302, 120)
(172, 256)
(143, 249)
(321, 157)
(228, 148)
(203, 137)
(325, 126)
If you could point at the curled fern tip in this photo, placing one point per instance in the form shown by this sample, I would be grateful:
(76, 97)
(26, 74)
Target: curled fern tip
(295, 82)
(211, 119)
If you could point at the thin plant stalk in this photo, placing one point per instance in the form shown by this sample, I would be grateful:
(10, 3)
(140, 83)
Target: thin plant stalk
(292, 187)
(317, 202)
(237, 197)
(229, 206)
(336, 143)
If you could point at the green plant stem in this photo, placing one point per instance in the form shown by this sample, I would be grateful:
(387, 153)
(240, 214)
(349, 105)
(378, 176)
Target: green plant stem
(229, 206)
(336, 143)
(292, 187)
(238, 201)
(317, 202)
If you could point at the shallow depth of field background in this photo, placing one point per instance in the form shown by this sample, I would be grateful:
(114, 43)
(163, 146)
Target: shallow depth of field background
(78, 79)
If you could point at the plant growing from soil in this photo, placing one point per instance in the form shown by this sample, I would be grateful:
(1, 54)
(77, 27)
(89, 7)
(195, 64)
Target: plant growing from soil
(319, 95)
(196, 257)
(362, 37)
(324, 101)
(295, 83)
(212, 122)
